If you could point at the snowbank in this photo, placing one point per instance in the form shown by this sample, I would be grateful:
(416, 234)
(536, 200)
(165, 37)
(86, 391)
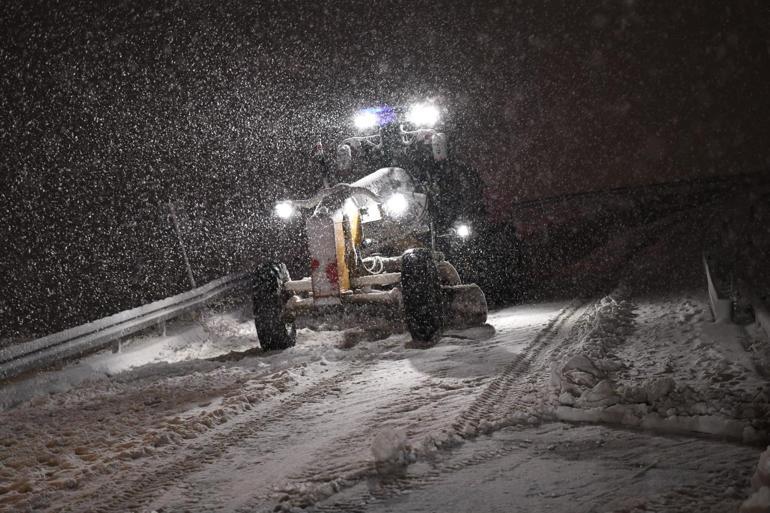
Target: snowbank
(660, 364)
(759, 502)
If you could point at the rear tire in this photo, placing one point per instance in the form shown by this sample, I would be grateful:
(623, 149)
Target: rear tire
(274, 331)
(421, 290)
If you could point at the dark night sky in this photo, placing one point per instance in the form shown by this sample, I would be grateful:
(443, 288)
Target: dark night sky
(110, 107)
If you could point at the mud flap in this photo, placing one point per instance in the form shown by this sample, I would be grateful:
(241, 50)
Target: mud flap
(464, 305)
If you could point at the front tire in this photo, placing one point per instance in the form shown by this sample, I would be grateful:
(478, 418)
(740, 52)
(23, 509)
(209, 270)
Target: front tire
(421, 290)
(274, 331)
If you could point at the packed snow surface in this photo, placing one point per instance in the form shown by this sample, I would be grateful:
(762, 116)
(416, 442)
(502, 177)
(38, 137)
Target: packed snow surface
(171, 423)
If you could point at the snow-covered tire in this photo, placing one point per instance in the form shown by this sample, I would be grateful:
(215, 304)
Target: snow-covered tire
(274, 331)
(421, 290)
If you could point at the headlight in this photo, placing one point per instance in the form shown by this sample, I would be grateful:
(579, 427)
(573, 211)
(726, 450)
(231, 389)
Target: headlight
(423, 115)
(396, 204)
(463, 230)
(284, 209)
(365, 120)
(371, 117)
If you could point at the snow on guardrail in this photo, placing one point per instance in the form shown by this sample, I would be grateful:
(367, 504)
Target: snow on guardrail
(94, 335)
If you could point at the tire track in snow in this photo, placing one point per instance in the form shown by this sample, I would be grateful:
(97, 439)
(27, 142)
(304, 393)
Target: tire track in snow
(134, 494)
(350, 462)
(496, 398)
(624, 470)
(339, 456)
(389, 486)
(169, 483)
(330, 479)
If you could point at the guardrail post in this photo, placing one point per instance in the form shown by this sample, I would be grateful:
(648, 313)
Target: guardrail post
(721, 307)
(181, 244)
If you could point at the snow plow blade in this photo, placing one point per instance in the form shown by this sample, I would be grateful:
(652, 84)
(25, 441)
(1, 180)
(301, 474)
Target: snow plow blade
(463, 306)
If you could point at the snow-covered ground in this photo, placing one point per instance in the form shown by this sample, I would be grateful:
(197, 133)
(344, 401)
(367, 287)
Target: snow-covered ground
(565, 468)
(322, 420)
(234, 434)
(630, 401)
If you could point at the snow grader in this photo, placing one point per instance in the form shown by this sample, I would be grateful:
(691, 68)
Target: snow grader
(374, 262)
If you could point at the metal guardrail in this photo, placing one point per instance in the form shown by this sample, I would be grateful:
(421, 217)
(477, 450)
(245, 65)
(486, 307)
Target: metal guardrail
(94, 335)
(721, 307)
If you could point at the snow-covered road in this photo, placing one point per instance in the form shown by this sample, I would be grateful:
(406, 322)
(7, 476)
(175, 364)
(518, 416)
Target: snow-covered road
(563, 468)
(202, 435)
(342, 422)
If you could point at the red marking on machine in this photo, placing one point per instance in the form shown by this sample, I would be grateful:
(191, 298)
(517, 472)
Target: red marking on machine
(331, 273)
(314, 264)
